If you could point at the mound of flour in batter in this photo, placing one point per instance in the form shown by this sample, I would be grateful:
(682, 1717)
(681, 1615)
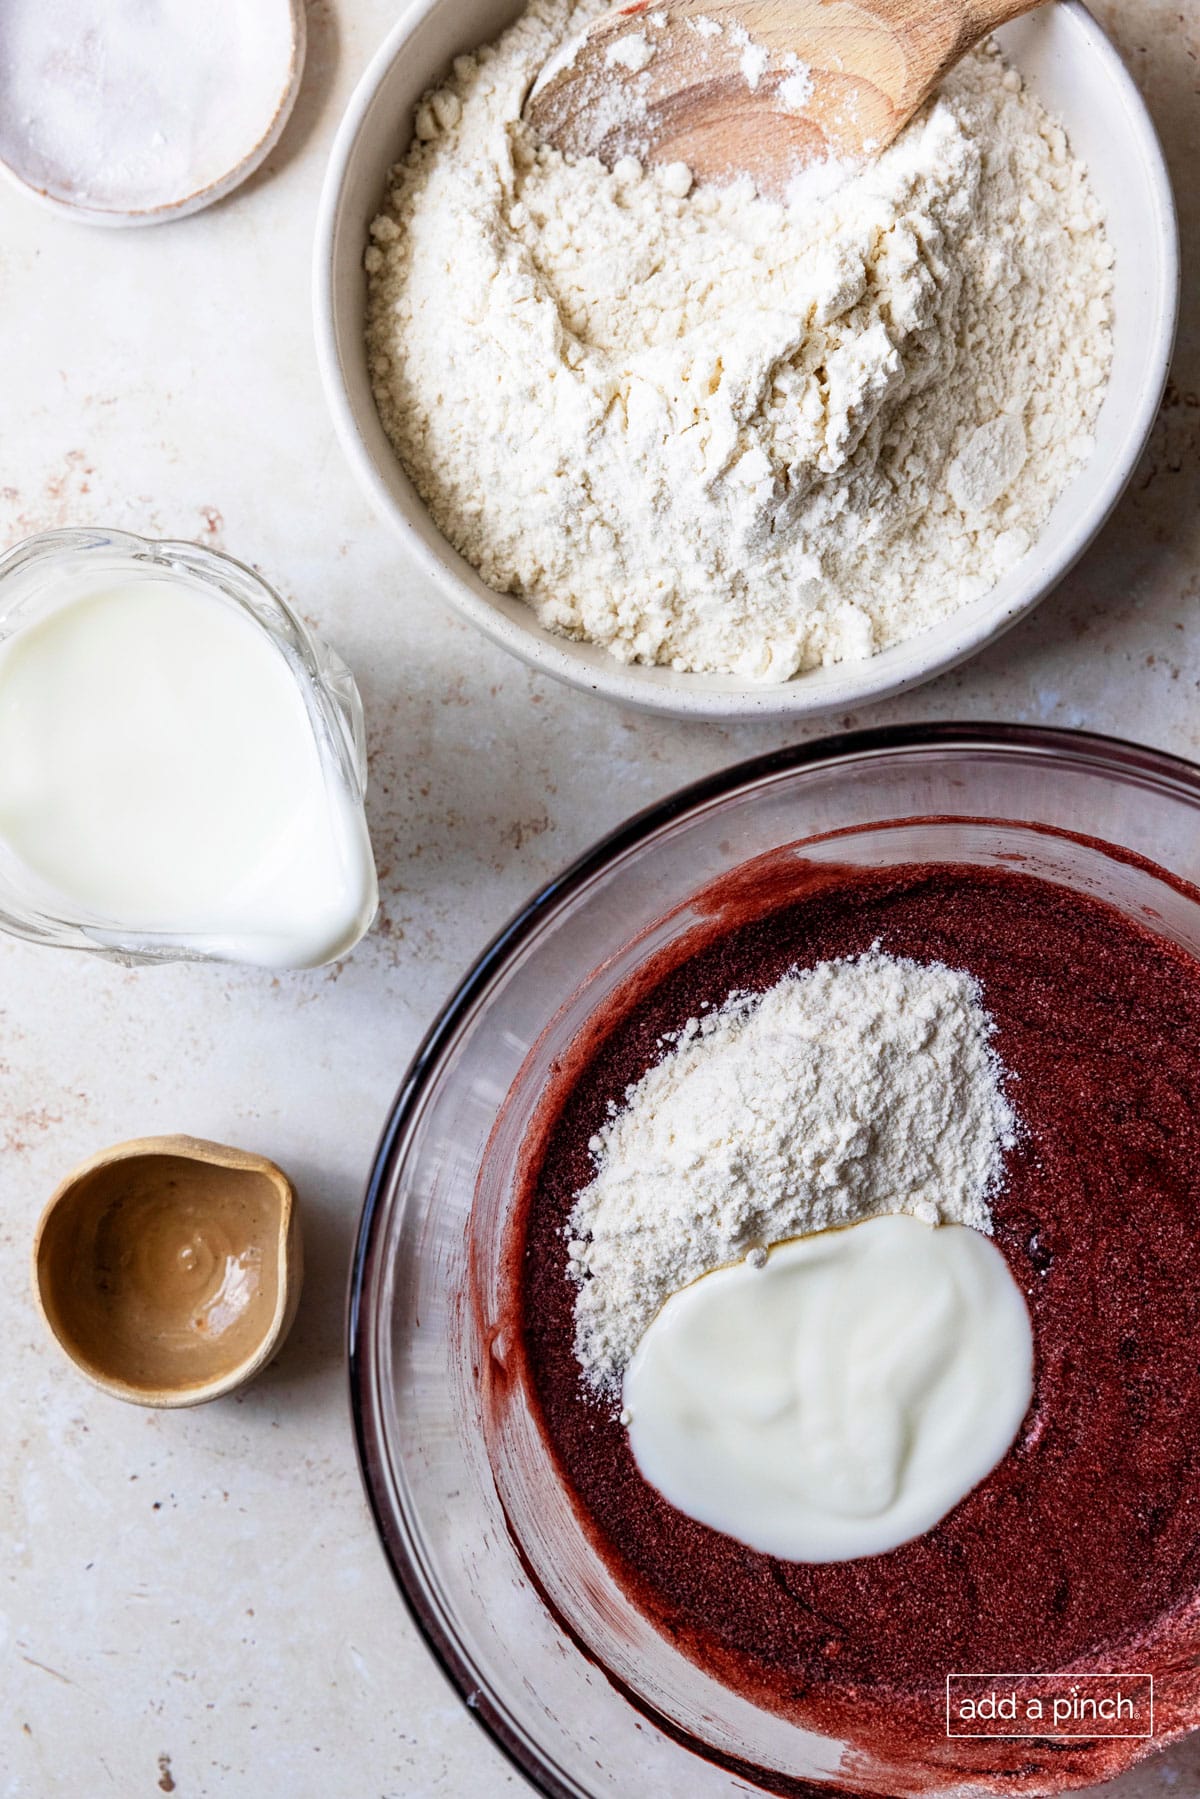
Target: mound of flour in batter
(716, 433)
(849, 1090)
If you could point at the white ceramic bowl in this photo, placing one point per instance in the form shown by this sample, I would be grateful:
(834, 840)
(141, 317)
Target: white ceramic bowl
(1068, 62)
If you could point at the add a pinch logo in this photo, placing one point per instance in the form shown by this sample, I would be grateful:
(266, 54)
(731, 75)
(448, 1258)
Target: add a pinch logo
(1050, 1705)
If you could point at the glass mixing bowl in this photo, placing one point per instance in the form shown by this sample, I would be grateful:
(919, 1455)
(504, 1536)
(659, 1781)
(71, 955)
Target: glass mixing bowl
(579, 1689)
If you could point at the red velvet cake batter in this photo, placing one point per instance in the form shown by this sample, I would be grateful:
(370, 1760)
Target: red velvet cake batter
(1085, 1540)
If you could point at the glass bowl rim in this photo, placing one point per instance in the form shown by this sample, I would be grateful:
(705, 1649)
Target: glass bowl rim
(396, 1536)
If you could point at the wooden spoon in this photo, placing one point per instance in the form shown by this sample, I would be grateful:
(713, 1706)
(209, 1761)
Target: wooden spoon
(767, 88)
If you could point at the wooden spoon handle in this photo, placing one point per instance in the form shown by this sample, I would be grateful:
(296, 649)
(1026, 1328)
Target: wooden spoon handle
(989, 15)
(936, 33)
(901, 48)
(932, 34)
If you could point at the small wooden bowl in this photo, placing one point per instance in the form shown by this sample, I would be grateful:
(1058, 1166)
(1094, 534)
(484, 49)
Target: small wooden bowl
(169, 1268)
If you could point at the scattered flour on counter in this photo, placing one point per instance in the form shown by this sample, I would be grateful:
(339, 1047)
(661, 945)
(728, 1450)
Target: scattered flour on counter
(854, 1088)
(712, 432)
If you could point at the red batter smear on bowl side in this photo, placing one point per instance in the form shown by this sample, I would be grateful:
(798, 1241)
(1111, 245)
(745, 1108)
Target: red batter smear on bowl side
(1082, 1548)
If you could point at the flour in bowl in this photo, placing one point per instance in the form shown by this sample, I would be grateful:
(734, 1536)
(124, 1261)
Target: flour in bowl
(712, 432)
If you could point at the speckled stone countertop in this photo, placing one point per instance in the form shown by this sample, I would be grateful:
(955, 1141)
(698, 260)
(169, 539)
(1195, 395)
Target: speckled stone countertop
(195, 1602)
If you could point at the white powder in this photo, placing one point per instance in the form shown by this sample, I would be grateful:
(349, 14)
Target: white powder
(633, 52)
(855, 1088)
(716, 433)
(753, 60)
(126, 108)
(988, 463)
(795, 90)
